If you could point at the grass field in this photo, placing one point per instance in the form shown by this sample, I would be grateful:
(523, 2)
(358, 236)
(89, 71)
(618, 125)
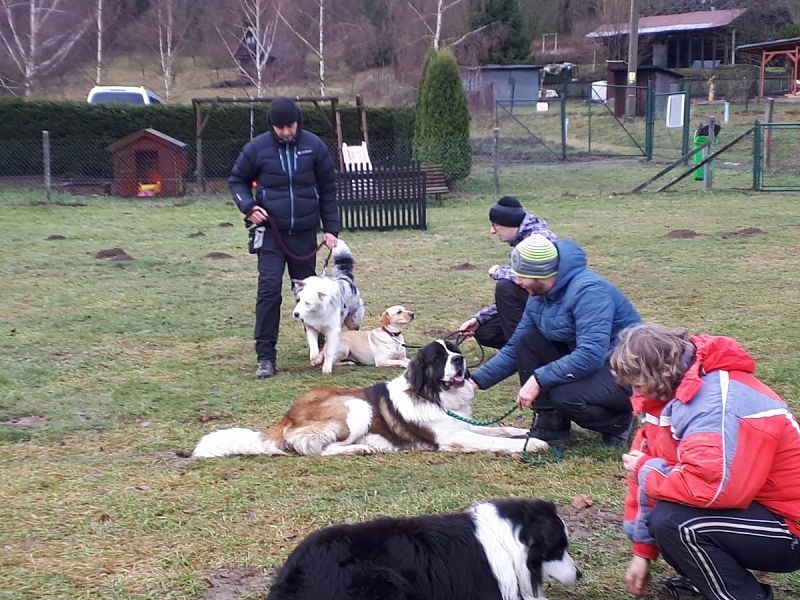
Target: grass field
(111, 370)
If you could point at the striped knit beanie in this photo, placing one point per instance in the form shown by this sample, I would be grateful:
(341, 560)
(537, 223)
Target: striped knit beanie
(535, 257)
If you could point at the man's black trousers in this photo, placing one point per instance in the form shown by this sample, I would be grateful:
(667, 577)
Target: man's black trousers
(510, 301)
(271, 265)
(595, 402)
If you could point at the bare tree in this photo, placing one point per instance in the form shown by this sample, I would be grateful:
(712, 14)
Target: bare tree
(173, 24)
(319, 49)
(250, 43)
(99, 20)
(38, 35)
(434, 21)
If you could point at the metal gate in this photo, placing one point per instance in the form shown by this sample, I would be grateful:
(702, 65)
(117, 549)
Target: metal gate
(776, 147)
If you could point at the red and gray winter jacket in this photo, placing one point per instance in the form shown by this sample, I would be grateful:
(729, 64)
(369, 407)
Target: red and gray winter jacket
(726, 440)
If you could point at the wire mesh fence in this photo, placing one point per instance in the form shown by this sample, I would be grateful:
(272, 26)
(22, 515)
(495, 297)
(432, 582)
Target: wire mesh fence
(516, 134)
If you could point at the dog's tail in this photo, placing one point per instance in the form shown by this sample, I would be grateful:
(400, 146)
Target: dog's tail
(238, 441)
(342, 260)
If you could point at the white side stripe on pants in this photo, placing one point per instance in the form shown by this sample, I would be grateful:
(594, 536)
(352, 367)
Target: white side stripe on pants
(691, 529)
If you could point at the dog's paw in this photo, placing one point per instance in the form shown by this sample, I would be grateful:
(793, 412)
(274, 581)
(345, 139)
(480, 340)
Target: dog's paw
(316, 359)
(327, 369)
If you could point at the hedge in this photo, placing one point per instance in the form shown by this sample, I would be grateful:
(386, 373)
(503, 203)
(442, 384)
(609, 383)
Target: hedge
(90, 128)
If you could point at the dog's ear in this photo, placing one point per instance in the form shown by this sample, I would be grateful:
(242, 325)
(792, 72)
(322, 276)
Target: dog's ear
(322, 296)
(385, 318)
(423, 373)
(297, 286)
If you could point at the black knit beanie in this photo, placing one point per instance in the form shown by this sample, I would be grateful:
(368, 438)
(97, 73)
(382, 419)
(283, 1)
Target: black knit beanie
(282, 112)
(507, 211)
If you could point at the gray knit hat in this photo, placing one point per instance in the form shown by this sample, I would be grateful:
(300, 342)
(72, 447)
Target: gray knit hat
(507, 211)
(535, 257)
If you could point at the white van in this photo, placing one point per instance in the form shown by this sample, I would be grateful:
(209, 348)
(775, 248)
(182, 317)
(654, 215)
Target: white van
(122, 94)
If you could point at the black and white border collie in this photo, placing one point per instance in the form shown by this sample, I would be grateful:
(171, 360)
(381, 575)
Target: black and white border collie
(497, 550)
(407, 413)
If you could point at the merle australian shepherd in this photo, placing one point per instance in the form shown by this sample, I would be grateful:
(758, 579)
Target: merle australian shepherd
(410, 412)
(497, 550)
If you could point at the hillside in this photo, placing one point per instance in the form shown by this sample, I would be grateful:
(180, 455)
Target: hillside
(197, 78)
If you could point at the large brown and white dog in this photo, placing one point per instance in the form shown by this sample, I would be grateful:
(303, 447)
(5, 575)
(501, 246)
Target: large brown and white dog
(410, 412)
(325, 305)
(382, 346)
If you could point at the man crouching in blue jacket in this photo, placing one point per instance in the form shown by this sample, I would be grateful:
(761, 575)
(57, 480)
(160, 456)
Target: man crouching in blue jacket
(562, 344)
(296, 188)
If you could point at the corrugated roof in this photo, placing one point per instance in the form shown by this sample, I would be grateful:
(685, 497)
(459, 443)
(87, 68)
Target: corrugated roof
(784, 44)
(693, 21)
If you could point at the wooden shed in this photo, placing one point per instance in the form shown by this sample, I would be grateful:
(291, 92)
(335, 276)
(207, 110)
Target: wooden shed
(663, 81)
(149, 163)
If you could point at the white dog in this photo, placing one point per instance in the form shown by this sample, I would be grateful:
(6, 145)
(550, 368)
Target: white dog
(382, 346)
(326, 304)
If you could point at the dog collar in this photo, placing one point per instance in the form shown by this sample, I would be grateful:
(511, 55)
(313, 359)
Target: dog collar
(391, 333)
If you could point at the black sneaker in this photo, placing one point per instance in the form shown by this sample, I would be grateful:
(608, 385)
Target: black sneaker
(678, 587)
(266, 369)
(621, 439)
(551, 427)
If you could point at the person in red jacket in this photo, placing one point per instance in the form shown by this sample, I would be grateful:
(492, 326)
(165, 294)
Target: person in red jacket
(714, 472)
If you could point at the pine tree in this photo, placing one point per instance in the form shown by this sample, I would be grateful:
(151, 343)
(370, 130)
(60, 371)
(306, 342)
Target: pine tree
(441, 131)
(513, 46)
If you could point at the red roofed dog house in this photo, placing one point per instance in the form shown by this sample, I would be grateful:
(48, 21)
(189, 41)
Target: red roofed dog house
(149, 163)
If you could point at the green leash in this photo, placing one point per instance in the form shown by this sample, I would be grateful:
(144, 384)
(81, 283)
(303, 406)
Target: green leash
(556, 451)
(482, 423)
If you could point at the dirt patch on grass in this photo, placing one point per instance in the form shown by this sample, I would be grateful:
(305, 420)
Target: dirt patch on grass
(682, 234)
(26, 421)
(746, 232)
(218, 256)
(463, 267)
(590, 522)
(56, 236)
(114, 254)
(225, 224)
(197, 234)
(233, 583)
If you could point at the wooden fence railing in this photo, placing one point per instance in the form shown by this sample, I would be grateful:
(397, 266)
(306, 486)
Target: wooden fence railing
(383, 198)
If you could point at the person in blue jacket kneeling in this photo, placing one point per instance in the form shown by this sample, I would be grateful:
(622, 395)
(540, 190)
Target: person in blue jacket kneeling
(562, 345)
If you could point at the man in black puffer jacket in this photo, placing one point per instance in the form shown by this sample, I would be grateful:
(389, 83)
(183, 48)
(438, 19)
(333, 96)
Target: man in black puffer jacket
(296, 189)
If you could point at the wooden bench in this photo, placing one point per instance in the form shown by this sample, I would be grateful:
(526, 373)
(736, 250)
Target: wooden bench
(435, 182)
(382, 198)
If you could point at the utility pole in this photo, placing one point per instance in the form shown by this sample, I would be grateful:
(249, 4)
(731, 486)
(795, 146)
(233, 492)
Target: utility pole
(633, 61)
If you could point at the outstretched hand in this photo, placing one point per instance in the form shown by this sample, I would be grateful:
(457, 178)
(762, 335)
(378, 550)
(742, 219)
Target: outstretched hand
(637, 575)
(528, 393)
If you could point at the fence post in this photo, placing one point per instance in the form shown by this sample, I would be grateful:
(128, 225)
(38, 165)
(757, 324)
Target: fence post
(708, 171)
(563, 102)
(650, 116)
(46, 156)
(769, 110)
(757, 156)
(687, 116)
(496, 168)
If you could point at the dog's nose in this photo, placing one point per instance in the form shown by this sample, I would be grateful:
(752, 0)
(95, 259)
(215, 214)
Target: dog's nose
(296, 315)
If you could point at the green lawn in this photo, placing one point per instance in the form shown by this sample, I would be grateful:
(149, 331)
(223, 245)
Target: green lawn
(110, 370)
